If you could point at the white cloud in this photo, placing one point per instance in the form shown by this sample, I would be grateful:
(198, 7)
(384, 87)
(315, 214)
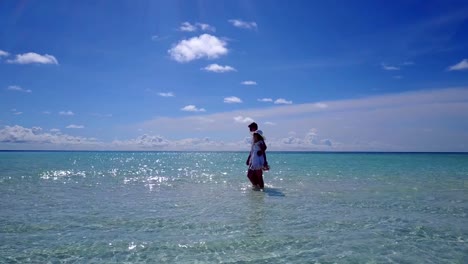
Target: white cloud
(192, 108)
(390, 68)
(268, 123)
(66, 113)
(75, 126)
(18, 89)
(4, 53)
(462, 65)
(206, 27)
(203, 46)
(265, 100)
(232, 100)
(187, 27)
(17, 113)
(242, 119)
(31, 57)
(249, 83)
(282, 101)
(243, 24)
(169, 94)
(218, 68)
(55, 130)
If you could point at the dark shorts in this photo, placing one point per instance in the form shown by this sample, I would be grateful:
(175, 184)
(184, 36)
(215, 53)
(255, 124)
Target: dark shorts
(256, 177)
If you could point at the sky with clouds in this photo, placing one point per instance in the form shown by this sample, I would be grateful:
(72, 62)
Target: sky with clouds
(191, 75)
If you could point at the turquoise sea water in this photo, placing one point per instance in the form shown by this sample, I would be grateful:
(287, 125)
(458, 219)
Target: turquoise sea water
(189, 207)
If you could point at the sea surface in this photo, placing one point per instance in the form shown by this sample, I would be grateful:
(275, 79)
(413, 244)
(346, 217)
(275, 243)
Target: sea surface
(198, 207)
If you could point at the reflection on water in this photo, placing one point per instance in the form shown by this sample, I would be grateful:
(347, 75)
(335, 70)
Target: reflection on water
(256, 213)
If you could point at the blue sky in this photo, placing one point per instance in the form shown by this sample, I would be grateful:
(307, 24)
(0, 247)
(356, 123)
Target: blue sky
(191, 75)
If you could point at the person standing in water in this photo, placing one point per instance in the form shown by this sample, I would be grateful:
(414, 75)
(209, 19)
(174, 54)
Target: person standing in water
(252, 128)
(256, 161)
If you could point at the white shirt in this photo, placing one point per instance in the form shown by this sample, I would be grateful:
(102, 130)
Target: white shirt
(256, 161)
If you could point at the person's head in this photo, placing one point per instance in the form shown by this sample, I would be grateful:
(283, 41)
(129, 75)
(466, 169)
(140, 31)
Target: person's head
(258, 135)
(253, 127)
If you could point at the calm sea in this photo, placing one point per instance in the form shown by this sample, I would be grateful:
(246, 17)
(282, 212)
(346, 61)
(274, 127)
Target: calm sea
(198, 207)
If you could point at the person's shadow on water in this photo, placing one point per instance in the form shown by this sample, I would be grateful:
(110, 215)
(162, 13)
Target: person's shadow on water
(274, 192)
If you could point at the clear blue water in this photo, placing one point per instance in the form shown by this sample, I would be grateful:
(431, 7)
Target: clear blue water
(170, 207)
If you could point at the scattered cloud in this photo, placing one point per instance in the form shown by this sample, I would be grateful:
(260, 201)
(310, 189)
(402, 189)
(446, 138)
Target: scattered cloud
(218, 68)
(249, 83)
(31, 58)
(54, 130)
(390, 68)
(168, 94)
(187, 27)
(242, 119)
(17, 113)
(18, 89)
(192, 108)
(265, 100)
(232, 100)
(66, 113)
(462, 65)
(72, 126)
(243, 24)
(203, 46)
(268, 123)
(206, 27)
(282, 101)
(4, 53)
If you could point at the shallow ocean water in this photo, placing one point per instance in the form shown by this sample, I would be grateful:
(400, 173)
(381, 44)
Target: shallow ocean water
(197, 207)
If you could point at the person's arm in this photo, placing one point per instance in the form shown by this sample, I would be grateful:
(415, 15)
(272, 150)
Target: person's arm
(263, 147)
(264, 154)
(247, 162)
